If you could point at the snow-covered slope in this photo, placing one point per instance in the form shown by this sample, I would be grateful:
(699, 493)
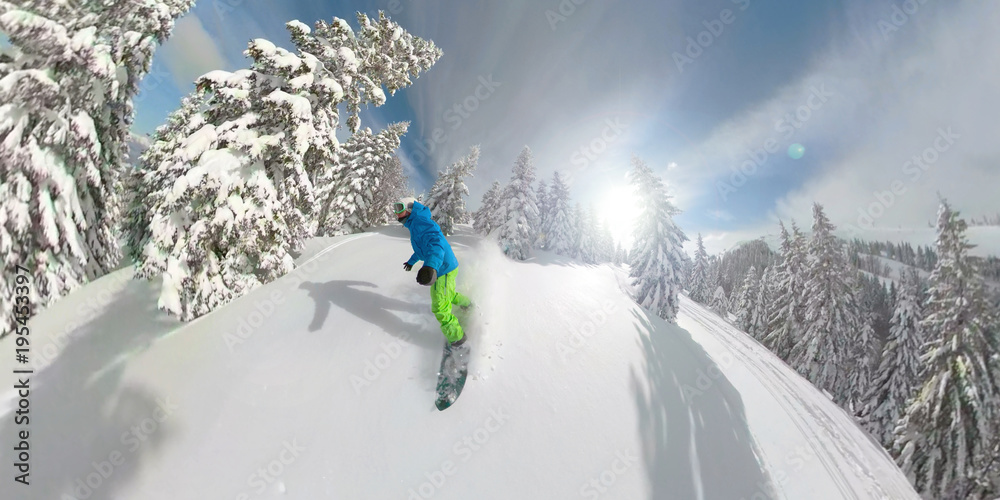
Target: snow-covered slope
(320, 385)
(986, 238)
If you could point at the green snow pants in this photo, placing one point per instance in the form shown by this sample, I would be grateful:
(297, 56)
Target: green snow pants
(443, 296)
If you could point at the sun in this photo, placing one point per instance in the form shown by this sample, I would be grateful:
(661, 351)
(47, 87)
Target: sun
(618, 207)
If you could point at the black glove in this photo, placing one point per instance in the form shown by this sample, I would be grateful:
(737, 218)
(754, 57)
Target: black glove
(407, 266)
(427, 276)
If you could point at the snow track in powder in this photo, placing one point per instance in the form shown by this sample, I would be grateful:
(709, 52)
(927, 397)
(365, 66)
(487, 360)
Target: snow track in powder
(833, 438)
(781, 399)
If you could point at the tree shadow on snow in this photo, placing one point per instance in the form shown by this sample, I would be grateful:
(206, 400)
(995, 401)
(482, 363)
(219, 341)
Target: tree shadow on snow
(370, 307)
(89, 434)
(696, 443)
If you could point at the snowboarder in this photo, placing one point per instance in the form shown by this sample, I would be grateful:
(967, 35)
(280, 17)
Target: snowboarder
(439, 269)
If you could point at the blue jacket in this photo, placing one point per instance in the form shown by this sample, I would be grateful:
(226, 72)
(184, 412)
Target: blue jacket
(428, 241)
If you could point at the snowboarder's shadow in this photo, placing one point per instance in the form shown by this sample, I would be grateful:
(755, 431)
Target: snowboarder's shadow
(371, 307)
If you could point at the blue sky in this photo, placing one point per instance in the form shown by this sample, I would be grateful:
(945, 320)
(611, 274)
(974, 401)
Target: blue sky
(695, 88)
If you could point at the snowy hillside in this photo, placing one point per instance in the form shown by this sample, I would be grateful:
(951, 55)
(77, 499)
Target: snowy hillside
(986, 238)
(321, 385)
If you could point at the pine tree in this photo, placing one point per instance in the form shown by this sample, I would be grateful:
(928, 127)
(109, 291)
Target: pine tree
(238, 196)
(577, 228)
(520, 224)
(832, 315)
(446, 200)
(486, 219)
(862, 363)
(698, 281)
(657, 258)
(144, 181)
(559, 226)
(70, 71)
(944, 438)
(605, 242)
(900, 366)
(544, 212)
(762, 305)
(865, 357)
(720, 303)
(619, 254)
(785, 323)
(589, 252)
(392, 186)
(746, 304)
(350, 197)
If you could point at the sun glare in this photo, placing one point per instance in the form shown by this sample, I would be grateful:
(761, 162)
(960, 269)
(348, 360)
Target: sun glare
(619, 209)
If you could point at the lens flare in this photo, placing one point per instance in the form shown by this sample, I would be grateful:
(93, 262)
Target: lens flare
(796, 151)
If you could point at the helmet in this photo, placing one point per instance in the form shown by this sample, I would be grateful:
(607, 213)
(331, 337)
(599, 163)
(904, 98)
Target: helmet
(402, 207)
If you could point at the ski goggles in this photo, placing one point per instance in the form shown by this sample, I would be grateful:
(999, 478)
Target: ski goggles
(398, 208)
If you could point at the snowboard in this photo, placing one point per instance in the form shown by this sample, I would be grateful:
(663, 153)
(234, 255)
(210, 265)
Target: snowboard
(451, 376)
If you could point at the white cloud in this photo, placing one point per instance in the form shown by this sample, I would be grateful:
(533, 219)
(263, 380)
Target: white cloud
(894, 99)
(937, 102)
(190, 52)
(582, 104)
(721, 215)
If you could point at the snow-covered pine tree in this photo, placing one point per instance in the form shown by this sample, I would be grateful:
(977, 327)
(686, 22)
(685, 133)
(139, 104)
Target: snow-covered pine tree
(943, 442)
(520, 222)
(720, 303)
(133, 30)
(351, 195)
(657, 256)
(605, 242)
(392, 186)
(762, 305)
(832, 316)
(785, 322)
(746, 303)
(716, 276)
(486, 218)
(688, 271)
(865, 346)
(355, 68)
(142, 182)
(576, 218)
(899, 370)
(69, 73)
(240, 197)
(698, 282)
(559, 236)
(588, 237)
(544, 209)
(446, 200)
